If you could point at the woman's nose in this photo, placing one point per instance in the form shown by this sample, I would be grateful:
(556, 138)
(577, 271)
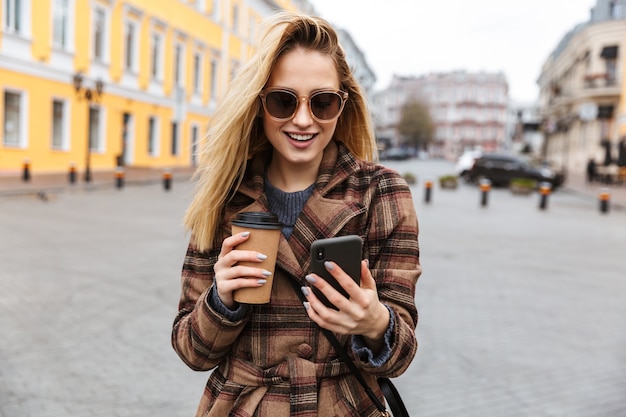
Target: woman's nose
(303, 114)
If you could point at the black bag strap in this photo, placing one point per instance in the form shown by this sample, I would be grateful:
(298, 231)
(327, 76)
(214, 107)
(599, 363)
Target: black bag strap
(393, 398)
(344, 356)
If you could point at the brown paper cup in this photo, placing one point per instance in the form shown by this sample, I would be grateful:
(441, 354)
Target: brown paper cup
(265, 232)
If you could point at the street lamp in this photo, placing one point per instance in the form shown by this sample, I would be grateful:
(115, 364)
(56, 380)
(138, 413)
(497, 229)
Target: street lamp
(92, 94)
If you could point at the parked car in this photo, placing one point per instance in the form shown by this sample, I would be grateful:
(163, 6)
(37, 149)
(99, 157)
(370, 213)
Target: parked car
(397, 154)
(501, 168)
(465, 162)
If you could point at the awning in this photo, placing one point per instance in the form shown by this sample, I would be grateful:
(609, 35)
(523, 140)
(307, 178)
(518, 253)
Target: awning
(609, 52)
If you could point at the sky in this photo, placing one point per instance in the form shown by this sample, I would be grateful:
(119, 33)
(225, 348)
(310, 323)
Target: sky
(417, 37)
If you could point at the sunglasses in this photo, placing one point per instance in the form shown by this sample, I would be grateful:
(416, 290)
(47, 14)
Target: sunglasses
(324, 106)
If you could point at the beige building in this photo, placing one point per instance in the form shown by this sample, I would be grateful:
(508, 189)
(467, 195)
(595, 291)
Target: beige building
(582, 88)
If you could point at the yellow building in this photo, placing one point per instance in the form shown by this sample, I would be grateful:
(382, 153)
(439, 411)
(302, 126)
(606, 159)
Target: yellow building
(105, 83)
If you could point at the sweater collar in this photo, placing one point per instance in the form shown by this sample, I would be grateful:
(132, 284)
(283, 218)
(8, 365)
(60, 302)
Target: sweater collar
(337, 164)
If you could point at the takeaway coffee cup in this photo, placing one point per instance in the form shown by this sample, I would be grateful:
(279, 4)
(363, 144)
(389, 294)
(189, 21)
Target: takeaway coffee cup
(264, 231)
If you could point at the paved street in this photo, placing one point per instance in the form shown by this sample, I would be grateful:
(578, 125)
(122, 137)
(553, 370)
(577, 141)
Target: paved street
(522, 310)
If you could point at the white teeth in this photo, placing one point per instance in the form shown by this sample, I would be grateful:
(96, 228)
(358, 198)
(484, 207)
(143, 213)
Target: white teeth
(300, 137)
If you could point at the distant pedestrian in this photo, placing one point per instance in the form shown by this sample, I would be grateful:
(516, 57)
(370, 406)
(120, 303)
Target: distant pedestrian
(591, 170)
(293, 136)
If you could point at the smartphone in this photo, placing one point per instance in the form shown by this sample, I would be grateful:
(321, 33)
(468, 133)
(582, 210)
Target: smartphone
(345, 251)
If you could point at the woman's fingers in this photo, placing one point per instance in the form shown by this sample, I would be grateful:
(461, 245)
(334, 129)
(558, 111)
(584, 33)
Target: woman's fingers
(235, 268)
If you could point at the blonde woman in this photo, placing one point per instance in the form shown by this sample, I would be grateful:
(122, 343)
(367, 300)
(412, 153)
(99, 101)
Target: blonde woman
(293, 137)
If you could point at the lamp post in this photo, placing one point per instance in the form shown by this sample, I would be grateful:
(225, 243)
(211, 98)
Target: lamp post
(90, 94)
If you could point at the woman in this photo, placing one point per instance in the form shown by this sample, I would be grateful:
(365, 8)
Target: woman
(293, 136)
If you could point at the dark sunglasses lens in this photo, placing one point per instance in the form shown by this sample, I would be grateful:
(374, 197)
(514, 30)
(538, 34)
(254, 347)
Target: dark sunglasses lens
(280, 104)
(325, 106)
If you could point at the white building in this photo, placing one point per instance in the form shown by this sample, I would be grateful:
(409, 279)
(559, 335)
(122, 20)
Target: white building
(469, 110)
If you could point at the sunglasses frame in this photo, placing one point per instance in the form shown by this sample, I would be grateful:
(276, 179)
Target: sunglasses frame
(343, 96)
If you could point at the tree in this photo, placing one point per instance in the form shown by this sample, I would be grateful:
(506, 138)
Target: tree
(416, 125)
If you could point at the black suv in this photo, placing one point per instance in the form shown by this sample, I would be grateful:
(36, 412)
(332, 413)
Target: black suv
(500, 169)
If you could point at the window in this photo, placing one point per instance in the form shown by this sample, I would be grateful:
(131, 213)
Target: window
(60, 23)
(153, 136)
(611, 71)
(194, 145)
(130, 46)
(174, 138)
(13, 15)
(95, 142)
(609, 54)
(234, 68)
(197, 71)
(235, 18)
(615, 9)
(157, 42)
(178, 57)
(215, 9)
(99, 35)
(12, 119)
(213, 82)
(58, 121)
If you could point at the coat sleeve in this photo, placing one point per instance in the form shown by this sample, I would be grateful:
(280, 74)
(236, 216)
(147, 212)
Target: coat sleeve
(393, 250)
(201, 336)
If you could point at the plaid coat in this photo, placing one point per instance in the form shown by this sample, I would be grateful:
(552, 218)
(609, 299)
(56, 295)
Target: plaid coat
(275, 362)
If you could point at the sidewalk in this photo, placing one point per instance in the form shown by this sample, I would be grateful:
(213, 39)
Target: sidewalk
(578, 184)
(13, 184)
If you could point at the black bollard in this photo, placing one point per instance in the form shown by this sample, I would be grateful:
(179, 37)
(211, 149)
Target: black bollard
(26, 171)
(428, 186)
(544, 190)
(167, 180)
(72, 173)
(119, 177)
(605, 198)
(485, 187)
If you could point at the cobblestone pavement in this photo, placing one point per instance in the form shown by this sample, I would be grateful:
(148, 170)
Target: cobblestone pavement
(521, 309)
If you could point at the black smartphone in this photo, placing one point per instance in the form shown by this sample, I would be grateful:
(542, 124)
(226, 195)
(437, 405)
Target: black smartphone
(345, 251)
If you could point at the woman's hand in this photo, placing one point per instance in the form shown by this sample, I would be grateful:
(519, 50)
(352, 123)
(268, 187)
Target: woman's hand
(229, 276)
(361, 314)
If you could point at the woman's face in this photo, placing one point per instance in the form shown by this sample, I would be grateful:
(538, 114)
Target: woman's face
(300, 141)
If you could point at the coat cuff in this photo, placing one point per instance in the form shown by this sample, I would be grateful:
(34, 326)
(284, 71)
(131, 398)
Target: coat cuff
(366, 355)
(215, 302)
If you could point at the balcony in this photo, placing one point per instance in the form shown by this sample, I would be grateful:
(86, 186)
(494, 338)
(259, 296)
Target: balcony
(603, 79)
(600, 85)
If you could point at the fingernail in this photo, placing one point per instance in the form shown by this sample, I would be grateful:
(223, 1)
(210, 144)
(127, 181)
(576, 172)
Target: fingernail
(261, 281)
(329, 266)
(266, 273)
(306, 305)
(245, 234)
(367, 262)
(261, 256)
(305, 291)
(310, 278)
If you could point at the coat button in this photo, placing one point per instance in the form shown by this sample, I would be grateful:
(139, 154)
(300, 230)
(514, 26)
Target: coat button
(304, 351)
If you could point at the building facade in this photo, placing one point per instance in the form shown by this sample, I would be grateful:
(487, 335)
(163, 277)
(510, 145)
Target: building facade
(103, 83)
(469, 110)
(357, 62)
(582, 88)
(523, 129)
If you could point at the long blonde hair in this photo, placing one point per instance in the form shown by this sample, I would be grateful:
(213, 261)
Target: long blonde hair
(236, 133)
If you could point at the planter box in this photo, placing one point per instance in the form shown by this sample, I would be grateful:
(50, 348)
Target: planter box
(521, 189)
(450, 184)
